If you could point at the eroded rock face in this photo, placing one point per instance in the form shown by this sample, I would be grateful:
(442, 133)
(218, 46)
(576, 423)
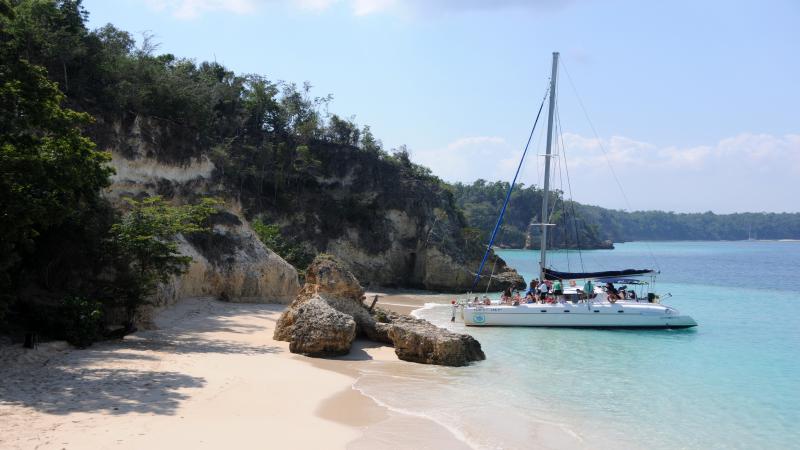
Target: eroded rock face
(423, 267)
(230, 262)
(309, 326)
(320, 330)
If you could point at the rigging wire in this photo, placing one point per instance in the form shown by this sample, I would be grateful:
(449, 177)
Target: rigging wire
(569, 186)
(561, 189)
(605, 154)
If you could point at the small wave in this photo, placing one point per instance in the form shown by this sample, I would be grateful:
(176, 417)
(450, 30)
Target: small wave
(421, 415)
(428, 305)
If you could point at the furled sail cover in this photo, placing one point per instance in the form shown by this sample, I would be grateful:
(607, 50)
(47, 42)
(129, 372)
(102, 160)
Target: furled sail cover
(555, 275)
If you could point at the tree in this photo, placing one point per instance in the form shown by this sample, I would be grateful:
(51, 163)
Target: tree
(145, 242)
(49, 169)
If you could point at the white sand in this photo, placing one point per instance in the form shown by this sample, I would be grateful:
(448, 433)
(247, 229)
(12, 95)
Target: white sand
(210, 376)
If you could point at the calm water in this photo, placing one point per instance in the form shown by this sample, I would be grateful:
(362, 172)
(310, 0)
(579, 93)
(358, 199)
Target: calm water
(732, 382)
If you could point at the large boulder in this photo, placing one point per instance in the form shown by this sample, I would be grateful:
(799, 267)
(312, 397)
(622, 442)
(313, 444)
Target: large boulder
(420, 341)
(314, 324)
(320, 330)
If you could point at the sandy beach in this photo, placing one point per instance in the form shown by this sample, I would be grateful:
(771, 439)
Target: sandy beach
(210, 376)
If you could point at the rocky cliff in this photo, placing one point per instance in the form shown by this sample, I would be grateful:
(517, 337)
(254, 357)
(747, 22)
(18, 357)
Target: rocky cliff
(388, 224)
(328, 315)
(230, 262)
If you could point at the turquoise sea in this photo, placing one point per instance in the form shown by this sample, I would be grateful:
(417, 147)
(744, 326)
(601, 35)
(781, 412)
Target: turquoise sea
(731, 382)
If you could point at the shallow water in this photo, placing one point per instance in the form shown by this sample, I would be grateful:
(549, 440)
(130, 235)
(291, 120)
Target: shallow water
(732, 382)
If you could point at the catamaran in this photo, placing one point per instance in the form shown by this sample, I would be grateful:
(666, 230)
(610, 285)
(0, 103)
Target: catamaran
(574, 308)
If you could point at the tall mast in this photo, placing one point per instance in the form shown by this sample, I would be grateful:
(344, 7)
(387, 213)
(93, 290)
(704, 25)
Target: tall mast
(548, 155)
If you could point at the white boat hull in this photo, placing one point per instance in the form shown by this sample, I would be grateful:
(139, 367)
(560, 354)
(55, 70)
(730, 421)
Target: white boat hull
(622, 314)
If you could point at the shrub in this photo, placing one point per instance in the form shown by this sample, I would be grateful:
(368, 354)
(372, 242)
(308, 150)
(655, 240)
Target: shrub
(81, 318)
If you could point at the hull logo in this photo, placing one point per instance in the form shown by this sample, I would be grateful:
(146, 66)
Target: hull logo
(479, 318)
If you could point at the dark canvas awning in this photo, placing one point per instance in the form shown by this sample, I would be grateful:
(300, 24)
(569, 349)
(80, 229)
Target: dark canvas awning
(550, 274)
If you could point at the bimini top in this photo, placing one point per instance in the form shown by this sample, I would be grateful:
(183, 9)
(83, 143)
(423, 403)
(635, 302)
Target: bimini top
(550, 274)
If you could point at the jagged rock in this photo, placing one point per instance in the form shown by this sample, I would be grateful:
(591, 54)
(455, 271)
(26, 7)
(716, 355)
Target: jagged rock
(420, 341)
(327, 275)
(330, 287)
(320, 330)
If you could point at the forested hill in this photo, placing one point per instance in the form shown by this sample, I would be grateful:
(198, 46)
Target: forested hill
(595, 227)
(621, 226)
(481, 202)
(172, 127)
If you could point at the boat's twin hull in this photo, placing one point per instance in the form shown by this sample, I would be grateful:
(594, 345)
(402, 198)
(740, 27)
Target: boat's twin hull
(585, 315)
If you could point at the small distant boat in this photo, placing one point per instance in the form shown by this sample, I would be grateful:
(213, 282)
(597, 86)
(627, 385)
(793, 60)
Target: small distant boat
(576, 309)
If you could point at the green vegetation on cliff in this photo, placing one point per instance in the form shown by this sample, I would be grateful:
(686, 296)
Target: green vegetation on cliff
(320, 181)
(63, 250)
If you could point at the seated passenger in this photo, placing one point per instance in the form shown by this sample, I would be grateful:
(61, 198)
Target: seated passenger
(529, 297)
(506, 297)
(613, 293)
(486, 300)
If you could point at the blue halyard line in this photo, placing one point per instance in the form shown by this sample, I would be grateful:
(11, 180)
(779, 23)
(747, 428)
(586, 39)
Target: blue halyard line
(508, 197)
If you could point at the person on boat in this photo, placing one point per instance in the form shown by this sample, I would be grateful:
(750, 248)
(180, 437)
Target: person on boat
(613, 293)
(529, 297)
(475, 301)
(534, 289)
(543, 291)
(517, 299)
(506, 297)
(588, 289)
(558, 290)
(486, 301)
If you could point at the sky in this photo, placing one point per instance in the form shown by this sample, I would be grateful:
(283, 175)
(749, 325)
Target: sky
(685, 106)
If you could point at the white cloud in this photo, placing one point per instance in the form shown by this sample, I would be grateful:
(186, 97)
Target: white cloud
(192, 9)
(461, 159)
(746, 172)
(313, 5)
(367, 7)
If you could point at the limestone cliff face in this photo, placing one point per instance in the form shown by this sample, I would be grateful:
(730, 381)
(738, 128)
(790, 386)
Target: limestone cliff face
(230, 262)
(390, 225)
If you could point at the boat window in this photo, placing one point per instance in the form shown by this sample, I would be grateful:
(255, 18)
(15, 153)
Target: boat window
(596, 310)
(620, 311)
(566, 310)
(542, 310)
